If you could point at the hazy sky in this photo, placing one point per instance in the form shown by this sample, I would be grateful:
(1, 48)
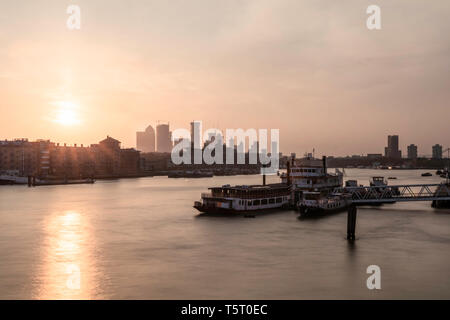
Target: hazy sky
(310, 68)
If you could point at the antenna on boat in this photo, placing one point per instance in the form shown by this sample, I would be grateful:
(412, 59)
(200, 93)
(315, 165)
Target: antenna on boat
(264, 166)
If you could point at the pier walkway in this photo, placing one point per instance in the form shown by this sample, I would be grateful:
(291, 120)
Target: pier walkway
(389, 194)
(394, 193)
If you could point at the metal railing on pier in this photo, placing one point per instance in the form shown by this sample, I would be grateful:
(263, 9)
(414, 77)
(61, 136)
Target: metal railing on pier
(394, 193)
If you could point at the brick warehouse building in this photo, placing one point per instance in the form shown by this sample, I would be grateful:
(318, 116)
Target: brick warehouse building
(45, 158)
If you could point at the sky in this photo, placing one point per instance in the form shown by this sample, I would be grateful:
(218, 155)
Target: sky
(309, 68)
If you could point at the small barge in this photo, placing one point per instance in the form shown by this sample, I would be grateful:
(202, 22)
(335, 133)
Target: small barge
(316, 202)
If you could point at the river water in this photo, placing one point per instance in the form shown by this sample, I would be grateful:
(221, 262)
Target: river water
(141, 239)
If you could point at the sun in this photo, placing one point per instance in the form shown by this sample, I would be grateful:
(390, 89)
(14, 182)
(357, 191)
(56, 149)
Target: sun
(66, 113)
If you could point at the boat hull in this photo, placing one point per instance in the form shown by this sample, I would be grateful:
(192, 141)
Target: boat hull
(218, 210)
(304, 211)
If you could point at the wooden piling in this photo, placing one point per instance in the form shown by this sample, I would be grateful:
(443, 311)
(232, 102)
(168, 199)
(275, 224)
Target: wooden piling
(351, 222)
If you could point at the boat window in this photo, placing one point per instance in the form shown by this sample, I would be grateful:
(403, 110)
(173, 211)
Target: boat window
(256, 202)
(249, 203)
(279, 200)
(272, 200)
(264, 201)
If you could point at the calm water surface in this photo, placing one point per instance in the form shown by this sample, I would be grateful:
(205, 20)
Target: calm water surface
(141, 239)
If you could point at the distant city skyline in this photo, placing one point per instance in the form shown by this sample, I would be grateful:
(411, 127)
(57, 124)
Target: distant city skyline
(310, 69)
(149, 137)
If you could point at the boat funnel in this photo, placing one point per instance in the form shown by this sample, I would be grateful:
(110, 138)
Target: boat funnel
(288, 172)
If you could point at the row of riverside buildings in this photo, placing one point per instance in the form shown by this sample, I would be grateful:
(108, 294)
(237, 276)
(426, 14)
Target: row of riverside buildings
(45, 158)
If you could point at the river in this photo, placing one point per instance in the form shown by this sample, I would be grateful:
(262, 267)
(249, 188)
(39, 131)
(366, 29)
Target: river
(141, 239)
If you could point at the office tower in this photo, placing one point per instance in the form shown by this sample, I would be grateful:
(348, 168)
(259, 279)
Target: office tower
(145, 140)
(392, 151)
(412, 151)
(437, 151)
(163, 138)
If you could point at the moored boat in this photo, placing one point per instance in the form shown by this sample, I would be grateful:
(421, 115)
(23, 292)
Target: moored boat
(316, 202)
(190, 174)
(242, 199)
(310, 174)
(9, 179)
(442, 190)
(53, 182)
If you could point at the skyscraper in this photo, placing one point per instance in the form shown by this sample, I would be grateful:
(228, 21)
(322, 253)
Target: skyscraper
(412, 151)
(163, 138)
(145, 140)
(392, 151)
(437, 151)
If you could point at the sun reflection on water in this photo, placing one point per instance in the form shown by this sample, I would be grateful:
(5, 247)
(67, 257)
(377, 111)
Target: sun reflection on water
(68, 270)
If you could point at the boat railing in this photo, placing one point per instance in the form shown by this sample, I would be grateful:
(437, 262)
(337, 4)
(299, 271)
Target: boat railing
(245, 196)
(207, 195)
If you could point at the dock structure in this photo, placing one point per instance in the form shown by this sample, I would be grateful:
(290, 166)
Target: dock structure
(390, 194)
(395, 193)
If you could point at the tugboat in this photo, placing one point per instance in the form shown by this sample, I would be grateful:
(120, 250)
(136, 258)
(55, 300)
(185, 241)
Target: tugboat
(426, 174)
(244, 199)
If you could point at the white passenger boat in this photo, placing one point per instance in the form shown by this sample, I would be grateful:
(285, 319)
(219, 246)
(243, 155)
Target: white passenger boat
(242, 199)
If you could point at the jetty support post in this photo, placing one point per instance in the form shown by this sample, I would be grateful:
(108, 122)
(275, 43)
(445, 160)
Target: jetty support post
(351, 222)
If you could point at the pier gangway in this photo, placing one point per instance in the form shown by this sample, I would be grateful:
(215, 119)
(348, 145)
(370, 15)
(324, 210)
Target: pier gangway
(390, 194)
(394, 193)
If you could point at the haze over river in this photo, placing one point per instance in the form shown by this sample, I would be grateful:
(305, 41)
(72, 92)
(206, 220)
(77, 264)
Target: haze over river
(142, 239)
